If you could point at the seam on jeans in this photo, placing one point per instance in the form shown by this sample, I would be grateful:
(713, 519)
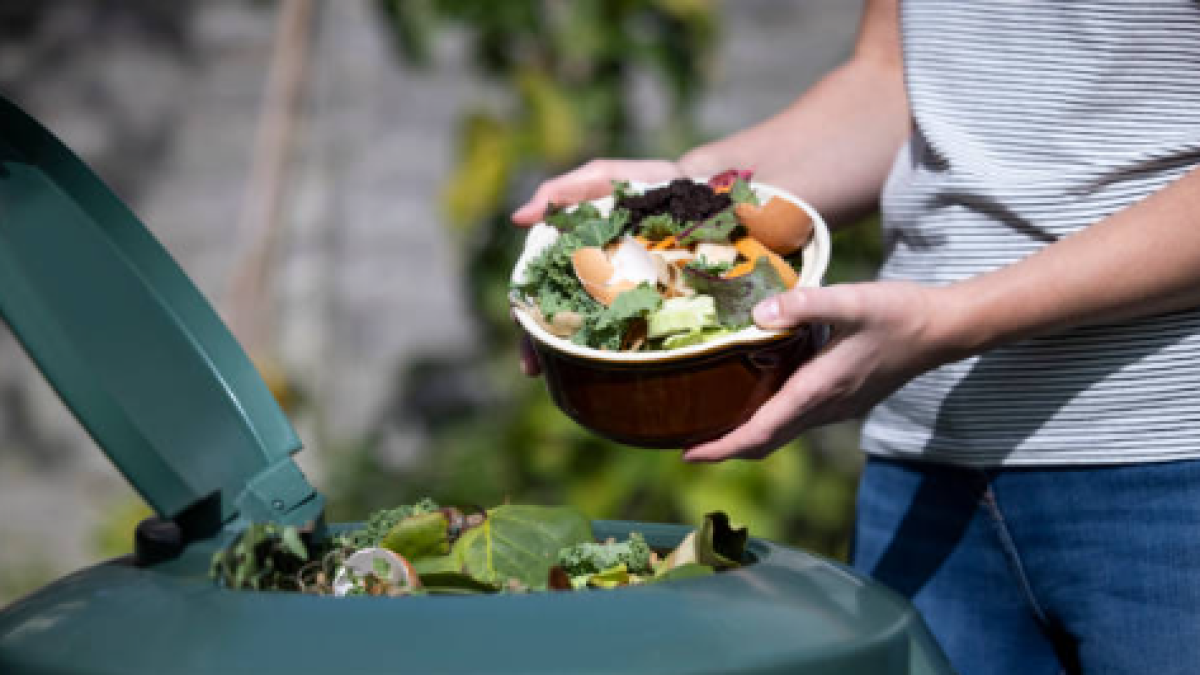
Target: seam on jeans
(1010, 552)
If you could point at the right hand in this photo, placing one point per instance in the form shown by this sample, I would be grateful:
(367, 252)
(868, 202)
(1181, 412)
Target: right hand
(590, 181)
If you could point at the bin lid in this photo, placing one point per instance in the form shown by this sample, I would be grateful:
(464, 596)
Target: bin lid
(133, 348)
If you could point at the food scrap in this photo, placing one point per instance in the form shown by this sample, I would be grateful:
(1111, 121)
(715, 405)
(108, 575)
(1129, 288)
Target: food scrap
(424, 549)
(670, 267)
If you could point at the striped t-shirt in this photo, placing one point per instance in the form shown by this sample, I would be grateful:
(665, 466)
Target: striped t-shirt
(1033, 119)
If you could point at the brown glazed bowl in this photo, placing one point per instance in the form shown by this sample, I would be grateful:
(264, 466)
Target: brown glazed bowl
(681, 397)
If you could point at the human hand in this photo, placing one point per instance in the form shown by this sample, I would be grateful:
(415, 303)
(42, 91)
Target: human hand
(883, 335)
(590, 181)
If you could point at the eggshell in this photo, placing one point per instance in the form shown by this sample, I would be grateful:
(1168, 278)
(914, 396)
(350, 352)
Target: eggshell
(632, 262)
(595, 270)
(362, 563)
(779, 224)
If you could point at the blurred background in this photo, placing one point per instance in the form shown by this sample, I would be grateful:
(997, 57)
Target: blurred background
(336, 178)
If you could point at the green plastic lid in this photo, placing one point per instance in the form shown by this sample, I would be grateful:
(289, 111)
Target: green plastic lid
(133, 348)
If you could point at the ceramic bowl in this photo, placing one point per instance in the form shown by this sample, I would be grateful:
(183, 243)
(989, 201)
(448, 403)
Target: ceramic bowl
(680, 397)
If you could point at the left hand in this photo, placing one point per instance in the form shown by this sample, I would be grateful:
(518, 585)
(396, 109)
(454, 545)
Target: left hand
(883, 335)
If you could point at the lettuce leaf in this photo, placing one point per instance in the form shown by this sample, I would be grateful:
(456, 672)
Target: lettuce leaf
(736, 297)
(520, 542)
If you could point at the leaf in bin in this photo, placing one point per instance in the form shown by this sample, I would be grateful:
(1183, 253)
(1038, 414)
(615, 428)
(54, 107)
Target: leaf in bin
(684, 571)
(426, 535)
(293, 543)
(715, 544)
(520, 542)
(454, 583)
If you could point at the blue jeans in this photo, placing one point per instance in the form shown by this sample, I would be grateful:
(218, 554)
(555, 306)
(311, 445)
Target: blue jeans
(1042, 571)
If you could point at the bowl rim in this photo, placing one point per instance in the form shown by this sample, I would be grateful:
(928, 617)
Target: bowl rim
(816, 263)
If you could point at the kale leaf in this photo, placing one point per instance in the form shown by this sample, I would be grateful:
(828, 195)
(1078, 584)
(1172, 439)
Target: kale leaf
(659, 226)
(606, 328)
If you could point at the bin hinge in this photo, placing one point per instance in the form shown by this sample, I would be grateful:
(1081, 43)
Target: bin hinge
(280, 494)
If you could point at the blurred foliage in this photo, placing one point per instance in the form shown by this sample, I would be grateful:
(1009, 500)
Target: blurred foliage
(21, 576)
(113, 535)
(566, 72)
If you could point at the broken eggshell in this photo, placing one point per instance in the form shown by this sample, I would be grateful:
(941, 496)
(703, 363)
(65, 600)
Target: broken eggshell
(779, 224)
(605, 277)
(375, 561)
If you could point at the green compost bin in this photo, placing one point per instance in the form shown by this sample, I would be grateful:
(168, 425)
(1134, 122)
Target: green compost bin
(155, 377)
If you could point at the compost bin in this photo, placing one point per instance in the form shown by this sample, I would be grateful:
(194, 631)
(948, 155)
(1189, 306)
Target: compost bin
(156, 378)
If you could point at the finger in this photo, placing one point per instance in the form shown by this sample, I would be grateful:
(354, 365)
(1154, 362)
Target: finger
(835, 305)
(795, 408)
(591, 181)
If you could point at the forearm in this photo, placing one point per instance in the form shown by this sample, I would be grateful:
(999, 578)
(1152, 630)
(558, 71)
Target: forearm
(834, 145)
(1141, 261)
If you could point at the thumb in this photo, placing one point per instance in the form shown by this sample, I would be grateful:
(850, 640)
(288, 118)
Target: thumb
(832, 305)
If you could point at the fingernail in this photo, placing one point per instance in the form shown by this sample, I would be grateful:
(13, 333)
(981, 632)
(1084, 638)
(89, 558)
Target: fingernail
(767, 311)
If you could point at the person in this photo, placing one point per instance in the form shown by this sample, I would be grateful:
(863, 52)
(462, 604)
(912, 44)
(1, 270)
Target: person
(1030, 355)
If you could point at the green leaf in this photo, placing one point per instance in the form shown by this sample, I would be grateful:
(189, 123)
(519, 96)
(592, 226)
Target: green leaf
(635, 303)
(715, 544)
(719, 542)
(612, 577)
(684, 571)
(438, 565)
(455, 583)
(742, 193)
(566, 220)
(382, 521)
(426, 535)
(718, 229)
(605, 327)
(599, 231)
(520, 542)
(736, 297)
(293, 544)
(659, 226)
(632, 555)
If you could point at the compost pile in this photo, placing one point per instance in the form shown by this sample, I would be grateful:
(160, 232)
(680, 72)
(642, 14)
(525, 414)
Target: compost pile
(424, 548)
